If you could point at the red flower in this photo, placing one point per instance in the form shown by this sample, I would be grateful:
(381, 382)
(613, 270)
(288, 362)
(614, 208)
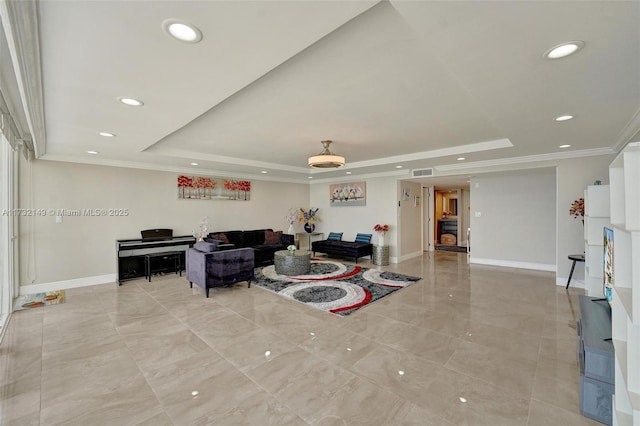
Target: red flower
(381, 228)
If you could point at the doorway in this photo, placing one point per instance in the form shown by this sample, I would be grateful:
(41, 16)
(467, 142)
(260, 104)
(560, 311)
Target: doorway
(451, 219)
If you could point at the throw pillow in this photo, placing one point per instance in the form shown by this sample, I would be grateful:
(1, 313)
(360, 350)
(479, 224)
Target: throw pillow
(206, 247)
(363, 238)
(335, 236)
(271, 237)
(220, 236)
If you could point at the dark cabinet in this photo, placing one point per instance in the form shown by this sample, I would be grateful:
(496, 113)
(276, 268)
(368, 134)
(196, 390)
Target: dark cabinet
(447, 227)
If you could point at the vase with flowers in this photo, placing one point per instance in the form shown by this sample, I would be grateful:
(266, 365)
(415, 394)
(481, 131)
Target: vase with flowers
(203, 230)
(381, 230)
(309, 218)
(577, 209)
(291, 218)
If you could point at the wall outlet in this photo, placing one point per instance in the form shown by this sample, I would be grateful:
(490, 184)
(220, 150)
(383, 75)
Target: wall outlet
(477, 214)
(58, 219)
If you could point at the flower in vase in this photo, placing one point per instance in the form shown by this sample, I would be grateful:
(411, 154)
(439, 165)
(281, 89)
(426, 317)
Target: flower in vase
(308, 216)
(381, 229)
(203, 230)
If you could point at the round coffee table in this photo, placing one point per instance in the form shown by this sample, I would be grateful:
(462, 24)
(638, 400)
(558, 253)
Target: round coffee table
(296, 263)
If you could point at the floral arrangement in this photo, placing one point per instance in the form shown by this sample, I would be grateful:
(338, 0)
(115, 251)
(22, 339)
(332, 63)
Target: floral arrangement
(292, 217)
(381, 229)
(291, 248)
(577, 209)
(308, 216)
(203, 230)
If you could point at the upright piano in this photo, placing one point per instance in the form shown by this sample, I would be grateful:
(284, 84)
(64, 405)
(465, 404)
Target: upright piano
(130, 253)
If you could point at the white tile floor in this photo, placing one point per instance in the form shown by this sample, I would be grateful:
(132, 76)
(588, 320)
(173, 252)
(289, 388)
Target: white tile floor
(470, 345)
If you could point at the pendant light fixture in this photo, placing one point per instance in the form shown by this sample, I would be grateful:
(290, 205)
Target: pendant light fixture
(326, 159)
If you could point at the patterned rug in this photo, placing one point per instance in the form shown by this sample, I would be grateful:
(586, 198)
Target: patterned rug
(28, 301)
(333, 286)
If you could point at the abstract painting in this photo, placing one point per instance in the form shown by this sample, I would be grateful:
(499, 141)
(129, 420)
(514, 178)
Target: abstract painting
(211, 188)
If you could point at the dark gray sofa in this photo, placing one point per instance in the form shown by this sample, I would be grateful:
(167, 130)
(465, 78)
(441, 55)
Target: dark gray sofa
(255, 239)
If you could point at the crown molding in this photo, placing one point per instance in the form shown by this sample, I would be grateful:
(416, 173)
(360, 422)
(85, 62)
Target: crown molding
(166, 168)
(632, 128)
(442, 152)
(197, 156)
(350, 178)
(526, 159)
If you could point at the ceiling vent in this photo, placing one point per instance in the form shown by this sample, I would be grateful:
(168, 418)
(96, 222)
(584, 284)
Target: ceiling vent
(422, 172)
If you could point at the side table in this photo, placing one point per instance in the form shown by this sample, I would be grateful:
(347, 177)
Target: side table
(575, 258)
(380, 255)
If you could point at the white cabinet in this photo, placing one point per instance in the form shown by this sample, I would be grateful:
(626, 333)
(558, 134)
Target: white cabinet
(624, 177)
(596, 218)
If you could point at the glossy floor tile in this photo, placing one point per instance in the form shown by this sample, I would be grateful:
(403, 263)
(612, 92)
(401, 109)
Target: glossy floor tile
(466, 345)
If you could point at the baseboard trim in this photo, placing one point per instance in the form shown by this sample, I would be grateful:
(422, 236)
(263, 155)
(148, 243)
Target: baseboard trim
(562, 282)
(514, 264)
(406, 257)
(66, 284)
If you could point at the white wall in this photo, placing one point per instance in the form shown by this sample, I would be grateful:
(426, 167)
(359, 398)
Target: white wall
(573, 178)
(381, 208)
(410, 221)
(517, 226)
(85, 246)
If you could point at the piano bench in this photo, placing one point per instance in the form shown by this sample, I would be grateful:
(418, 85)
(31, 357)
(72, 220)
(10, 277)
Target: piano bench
(166, 255)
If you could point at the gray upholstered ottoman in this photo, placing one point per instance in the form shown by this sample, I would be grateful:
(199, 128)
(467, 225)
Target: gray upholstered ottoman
(296, 263)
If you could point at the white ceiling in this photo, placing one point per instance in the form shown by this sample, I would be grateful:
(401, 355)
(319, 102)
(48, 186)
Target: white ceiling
(411, 83)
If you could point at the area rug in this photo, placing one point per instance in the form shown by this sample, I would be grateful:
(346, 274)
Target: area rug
(334, 286)
(28, 301)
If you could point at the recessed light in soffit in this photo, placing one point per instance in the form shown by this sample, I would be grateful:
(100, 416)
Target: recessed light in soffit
(182, 31)
(563, 118)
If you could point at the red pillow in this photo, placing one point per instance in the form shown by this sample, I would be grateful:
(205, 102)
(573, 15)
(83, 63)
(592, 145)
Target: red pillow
(222, 237)
(271, 237)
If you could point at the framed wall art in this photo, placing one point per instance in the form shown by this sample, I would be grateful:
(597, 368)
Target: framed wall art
(348, 194)
(212, 188)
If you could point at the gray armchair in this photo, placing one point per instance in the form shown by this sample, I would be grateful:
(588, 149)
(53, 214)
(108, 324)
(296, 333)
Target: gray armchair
(207, 267)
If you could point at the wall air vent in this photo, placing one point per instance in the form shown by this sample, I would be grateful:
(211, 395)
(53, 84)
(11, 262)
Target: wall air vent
(422, 172)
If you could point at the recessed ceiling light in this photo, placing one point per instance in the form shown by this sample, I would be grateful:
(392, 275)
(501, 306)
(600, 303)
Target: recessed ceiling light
(182, 31)
(348, 173)
(563, 118)
(194, 164)
(93, 152)
(398, 167)
(107, 134)
(564, 49)
(564, 146)
(310, 177)
(460, 158)
(264, 172)
(130, 101)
